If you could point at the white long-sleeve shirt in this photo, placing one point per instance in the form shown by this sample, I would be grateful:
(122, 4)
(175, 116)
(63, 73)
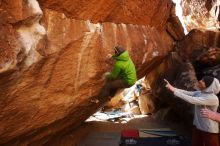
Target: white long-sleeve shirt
(202, 99)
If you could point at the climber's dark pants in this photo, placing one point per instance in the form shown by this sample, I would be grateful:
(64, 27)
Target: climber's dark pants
(201, 138)
(111, 87)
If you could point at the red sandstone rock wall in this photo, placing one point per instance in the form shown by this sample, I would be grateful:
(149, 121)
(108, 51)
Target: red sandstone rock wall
(149, 12)
(52, 65)
(196, 55)
(201, 14)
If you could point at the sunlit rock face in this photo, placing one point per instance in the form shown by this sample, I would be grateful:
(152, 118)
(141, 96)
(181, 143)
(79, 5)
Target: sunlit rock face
(52, 65)
(198, 54)
(201, 14)
(148, 12)
(19, 38)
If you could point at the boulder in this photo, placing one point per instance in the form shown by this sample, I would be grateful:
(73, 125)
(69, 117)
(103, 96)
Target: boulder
(196, 55)
(51, 64)
(199, 14)
(154, 13)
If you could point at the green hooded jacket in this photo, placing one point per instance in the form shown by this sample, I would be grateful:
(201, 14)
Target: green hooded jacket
(124, 69)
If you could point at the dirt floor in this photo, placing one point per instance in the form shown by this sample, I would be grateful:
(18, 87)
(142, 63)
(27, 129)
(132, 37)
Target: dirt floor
(102, 133)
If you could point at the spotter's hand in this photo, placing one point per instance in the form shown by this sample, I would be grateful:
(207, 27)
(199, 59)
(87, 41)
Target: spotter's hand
(169, 86)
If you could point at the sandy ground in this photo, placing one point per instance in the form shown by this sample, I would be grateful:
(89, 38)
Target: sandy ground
(98, 133)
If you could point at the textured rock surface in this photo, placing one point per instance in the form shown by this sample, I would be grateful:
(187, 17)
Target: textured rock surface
(20, 33)
(149, 12)
(201, 14)
(198, 43)
(202, 49)
(174, 26)
(195, 56)
(147, 103)
(52, 65)
(51, 70)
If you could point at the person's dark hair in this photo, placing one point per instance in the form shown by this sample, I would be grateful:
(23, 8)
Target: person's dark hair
(119, 49)
(208, 80)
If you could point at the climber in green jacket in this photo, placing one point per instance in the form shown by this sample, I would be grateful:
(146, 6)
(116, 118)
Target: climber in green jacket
(123, 74)
(124, 67)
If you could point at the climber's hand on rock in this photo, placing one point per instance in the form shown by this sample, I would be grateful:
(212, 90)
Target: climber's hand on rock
(104, 76)
(107, 73)
(109, 56)
(109, 59)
